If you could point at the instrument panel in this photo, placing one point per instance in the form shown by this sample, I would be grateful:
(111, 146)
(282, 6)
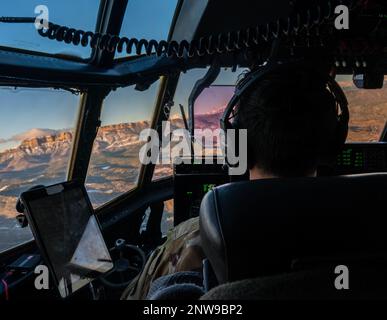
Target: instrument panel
(192, 181)
(357, 158)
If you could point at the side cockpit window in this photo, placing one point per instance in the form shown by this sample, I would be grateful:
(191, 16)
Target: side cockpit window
(208, 109)
(115, 161)
(80, 14)
(36, 130)
(149, 19)
(368, 111)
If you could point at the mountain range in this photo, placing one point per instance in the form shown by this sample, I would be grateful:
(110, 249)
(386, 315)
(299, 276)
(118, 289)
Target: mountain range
(42, 155)
(43, 159)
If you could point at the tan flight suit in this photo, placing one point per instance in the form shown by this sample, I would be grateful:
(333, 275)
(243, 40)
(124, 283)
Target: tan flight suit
(182, 251)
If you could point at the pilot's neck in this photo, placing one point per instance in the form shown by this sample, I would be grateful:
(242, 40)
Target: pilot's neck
(257, 174)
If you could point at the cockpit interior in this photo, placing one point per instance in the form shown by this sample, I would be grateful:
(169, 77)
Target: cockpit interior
(85, 86)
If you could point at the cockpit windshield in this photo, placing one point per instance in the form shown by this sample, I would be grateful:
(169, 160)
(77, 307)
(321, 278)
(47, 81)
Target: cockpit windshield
(150, 20)
(80, 14)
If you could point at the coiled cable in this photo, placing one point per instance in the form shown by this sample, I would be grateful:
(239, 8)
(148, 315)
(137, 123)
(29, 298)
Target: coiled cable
(210, 45)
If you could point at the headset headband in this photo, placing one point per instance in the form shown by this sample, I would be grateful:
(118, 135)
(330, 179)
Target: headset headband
(261, 72)
(331, 84)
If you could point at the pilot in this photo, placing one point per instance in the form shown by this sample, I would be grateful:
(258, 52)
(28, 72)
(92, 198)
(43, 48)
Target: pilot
(291, 119)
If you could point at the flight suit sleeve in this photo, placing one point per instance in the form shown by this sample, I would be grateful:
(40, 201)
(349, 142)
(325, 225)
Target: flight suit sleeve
(182, 251)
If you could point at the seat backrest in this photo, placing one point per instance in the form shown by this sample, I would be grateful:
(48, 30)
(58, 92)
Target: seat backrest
(364, 282)
(265, 227)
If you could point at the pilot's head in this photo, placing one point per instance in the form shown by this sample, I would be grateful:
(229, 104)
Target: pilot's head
(291, 119)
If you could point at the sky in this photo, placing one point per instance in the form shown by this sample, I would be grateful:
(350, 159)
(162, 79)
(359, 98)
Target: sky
(78, 13)
(149, 19)
(24, 109)
(214, 98)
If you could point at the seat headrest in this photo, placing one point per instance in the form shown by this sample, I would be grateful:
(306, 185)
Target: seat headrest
(255, 228)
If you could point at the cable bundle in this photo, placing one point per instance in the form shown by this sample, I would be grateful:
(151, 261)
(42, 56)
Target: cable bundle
(217, 44)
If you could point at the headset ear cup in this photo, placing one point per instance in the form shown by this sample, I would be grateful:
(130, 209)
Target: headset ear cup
(337, 143)
(343, 121)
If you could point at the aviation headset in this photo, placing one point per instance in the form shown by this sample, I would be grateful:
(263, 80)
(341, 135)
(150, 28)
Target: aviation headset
(255, 77)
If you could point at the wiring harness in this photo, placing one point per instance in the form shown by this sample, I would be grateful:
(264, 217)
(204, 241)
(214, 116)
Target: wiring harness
(307, 22)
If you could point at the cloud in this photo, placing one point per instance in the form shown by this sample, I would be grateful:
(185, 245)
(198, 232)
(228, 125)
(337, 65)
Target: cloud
(33, 133)
(30, 134)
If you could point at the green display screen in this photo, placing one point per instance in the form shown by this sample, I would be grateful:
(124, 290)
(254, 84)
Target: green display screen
(208, 187)
(351, 158)
(205, 188)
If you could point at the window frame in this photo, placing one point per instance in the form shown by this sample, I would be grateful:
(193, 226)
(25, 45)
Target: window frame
(91, 100)
(141, 181)
(91, 104)
(167, 88)
(382, 136)
(74, 132)
(90, 59)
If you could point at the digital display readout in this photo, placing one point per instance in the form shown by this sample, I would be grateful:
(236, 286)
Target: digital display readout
(361, 158)
(351, 158)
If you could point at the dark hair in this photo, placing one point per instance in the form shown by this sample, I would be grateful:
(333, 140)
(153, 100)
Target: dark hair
(290, 117)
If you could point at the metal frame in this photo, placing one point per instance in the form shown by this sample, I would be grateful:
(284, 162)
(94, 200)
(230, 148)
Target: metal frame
(166, 92)
(92, 101)
(110, 19)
